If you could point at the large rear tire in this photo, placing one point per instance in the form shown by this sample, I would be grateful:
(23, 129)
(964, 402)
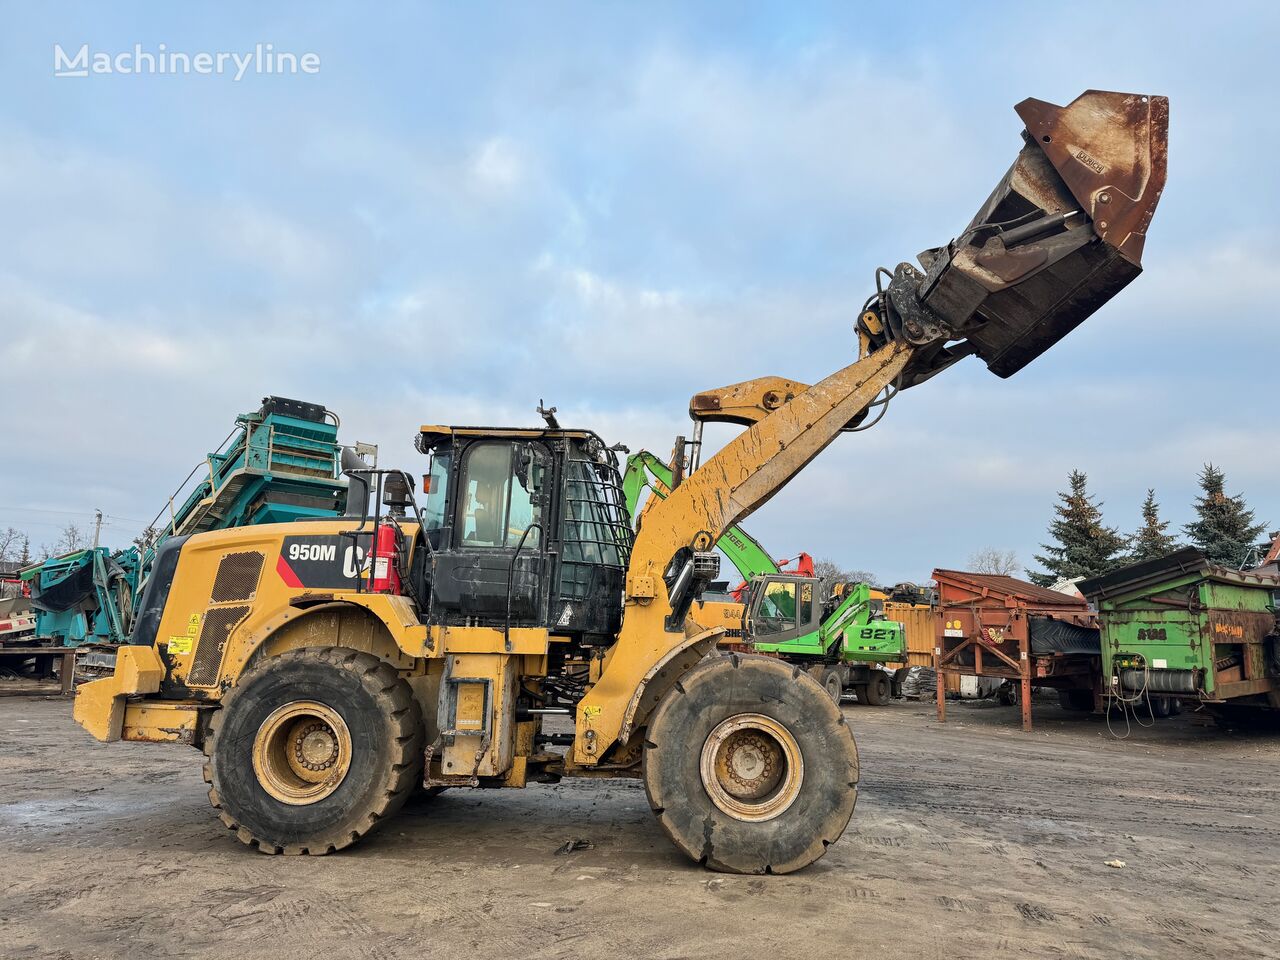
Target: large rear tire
(750, 767)
(313, 749)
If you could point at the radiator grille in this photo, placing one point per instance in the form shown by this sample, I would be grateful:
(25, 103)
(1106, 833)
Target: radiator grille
(218, 623)
(237, 577)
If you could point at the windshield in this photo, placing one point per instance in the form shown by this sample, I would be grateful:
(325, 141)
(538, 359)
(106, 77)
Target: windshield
(502, 495)
(777, 610)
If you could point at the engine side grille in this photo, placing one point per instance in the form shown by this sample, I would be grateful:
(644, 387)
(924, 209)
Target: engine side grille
(237, 577)
(218, 624)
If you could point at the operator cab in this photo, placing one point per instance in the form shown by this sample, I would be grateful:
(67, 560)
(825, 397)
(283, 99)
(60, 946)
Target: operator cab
(528, 528)
(782, 607)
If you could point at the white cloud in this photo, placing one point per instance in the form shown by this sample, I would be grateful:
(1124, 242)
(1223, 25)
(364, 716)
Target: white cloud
(268, 242)
(611, 229)
(83, 216)
(498, 165)
(45, 337)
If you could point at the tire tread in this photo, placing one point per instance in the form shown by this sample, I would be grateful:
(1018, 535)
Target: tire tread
(381, 680)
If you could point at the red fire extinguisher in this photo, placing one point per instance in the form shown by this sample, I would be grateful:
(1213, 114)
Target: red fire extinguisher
(384, 577)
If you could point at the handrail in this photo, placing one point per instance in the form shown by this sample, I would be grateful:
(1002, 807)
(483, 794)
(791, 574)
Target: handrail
(511, 572)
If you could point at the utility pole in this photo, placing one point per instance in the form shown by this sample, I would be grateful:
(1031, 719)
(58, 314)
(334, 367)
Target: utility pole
(97, 527)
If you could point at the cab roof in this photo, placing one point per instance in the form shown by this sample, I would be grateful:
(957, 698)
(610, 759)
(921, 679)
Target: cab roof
(431, 431)
(432, 435)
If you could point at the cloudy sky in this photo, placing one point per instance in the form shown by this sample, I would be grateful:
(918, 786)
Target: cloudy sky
(612, 207)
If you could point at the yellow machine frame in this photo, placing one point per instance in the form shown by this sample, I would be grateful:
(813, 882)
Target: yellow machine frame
(624, 687)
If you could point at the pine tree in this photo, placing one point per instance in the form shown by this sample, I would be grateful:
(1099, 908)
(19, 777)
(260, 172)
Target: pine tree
(1151, 541)
(25, 557)
(1224, 530)
(1083, 546)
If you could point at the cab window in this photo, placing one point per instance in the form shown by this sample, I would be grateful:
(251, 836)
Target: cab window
(777, 609)
(501, 495)
(437, 489)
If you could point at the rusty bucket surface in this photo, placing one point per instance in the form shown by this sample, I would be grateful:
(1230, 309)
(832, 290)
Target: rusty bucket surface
(1060, 235)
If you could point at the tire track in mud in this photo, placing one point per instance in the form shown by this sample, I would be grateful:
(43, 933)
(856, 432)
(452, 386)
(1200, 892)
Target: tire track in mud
(968, 840)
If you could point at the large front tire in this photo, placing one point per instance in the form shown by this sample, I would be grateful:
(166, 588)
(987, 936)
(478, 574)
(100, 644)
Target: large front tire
(313, 749)
(750, 767)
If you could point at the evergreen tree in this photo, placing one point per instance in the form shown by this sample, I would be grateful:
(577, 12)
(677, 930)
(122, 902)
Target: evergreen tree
(24, 558)
(1083, 546)
(1151, 540)
(1224, 529)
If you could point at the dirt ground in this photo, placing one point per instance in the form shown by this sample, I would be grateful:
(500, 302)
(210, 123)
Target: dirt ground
(970, 839)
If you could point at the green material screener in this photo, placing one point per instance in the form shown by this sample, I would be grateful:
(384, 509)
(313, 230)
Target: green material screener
(1185, 627)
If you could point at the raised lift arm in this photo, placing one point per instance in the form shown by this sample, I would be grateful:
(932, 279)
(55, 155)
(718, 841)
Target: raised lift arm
(1061, 234)
(745, 552)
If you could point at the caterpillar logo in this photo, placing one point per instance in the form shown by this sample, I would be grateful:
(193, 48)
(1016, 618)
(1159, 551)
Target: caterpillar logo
(326, 561)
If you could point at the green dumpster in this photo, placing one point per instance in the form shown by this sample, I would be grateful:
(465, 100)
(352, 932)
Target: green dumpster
(1182, 626)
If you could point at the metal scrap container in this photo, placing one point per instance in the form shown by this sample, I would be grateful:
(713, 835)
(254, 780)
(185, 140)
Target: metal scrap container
(987, 625)
(1183, 626)
(917, 622)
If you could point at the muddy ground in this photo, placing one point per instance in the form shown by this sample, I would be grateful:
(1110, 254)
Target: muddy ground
(970, 839)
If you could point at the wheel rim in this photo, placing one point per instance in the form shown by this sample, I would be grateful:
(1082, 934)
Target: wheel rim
(302, 752)
(751, 767)
(834, 687)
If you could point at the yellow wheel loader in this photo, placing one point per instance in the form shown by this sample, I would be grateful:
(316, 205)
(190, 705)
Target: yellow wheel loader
(328, 669)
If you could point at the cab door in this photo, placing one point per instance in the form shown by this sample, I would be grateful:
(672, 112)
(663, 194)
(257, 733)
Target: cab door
(782, 610)
(501, 512)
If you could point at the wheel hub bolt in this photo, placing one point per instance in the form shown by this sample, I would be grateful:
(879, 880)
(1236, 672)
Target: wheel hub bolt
(316, 748)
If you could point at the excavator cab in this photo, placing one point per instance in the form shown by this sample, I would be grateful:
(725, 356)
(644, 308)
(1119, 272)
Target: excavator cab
(782, 608)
